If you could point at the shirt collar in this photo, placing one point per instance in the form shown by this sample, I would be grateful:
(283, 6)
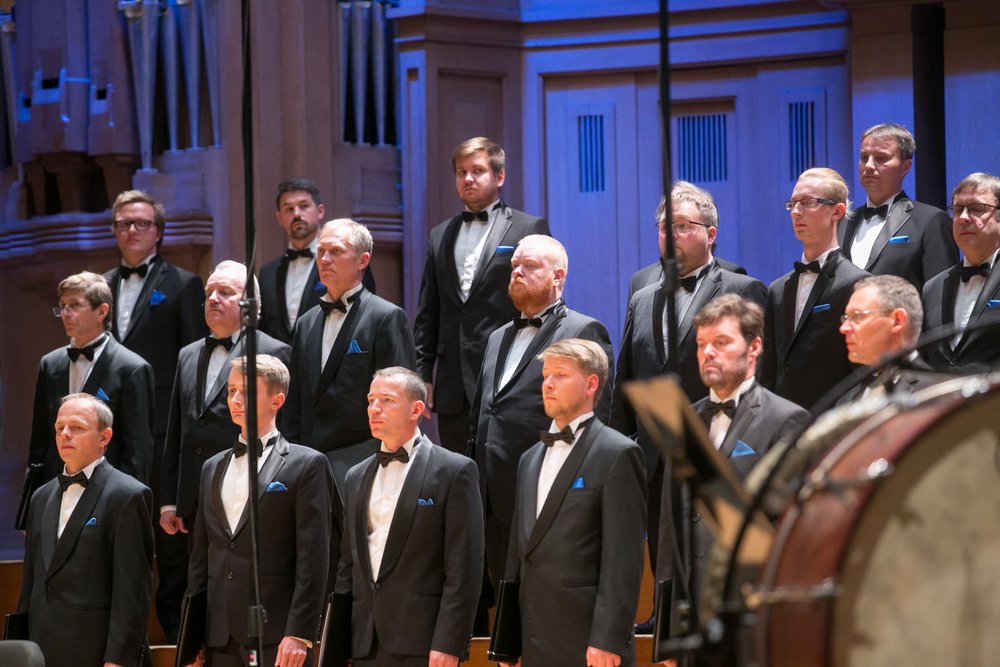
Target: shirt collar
(573, 425)
(266, 438)
(88, 470)
(488, 209)
(888, 202)
(101, 340)
(989, 260)
(409, 445)
(346, 295)
(148, 260)
(697, 272)
(735, 396)
(546, 311)
(822, 258)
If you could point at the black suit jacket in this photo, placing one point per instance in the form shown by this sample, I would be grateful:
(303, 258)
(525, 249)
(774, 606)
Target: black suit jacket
(294, 486)
(199, 429)
(506, 420)
(121, 379)
(803, 362)
(910, 375)
(428, 585)
(87, 592)
(274, 312)
(642, 352)
(453, 334)
(579, 563)
(916, 242)
(978, 351)
(169, 314)
(327, 407)
(762, 419)
(652, 274)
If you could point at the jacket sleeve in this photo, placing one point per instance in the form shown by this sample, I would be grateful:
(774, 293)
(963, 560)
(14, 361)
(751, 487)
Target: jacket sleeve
(425, 326)
(133, 580)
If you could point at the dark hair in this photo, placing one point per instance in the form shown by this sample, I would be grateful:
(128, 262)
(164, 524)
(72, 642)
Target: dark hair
(94, 287)
(140, 197)
(905, 142)
(749, 315)
(296, 185)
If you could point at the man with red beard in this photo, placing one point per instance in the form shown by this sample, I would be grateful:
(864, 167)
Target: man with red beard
(508, 408)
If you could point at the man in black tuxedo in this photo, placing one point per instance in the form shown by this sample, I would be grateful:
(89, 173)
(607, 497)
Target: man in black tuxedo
(97, 364)
(576, 544)
(804, 354)
(644, 352)
(462, 293)
(891, 233)
(158, 311)
(968, 293)
(290, 283)
(413, 537)
(88, 550)
(744, 420)
(337, 347)
(883, 318)
(295, 487)
(507, 411)
(200, 425)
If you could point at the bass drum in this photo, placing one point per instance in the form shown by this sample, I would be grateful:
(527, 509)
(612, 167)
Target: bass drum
(887, 551)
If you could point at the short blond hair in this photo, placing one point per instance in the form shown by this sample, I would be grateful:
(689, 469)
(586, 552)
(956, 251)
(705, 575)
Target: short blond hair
(359, 238)
(494, 153)
(588, 355)
(270, 369)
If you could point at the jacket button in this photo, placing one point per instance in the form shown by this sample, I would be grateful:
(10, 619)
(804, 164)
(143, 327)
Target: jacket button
(378, 585)
(493, 410)
(232, 545)
(788, 369)
(695, 517)
(229, 575)
(201, 421)
(198, 450)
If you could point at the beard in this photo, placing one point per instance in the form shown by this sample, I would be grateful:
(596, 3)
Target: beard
(530, 299)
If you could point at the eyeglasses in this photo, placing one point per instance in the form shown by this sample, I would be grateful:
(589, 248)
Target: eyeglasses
(70, 307)
(123, 225)
(858, 316)
(808, 203)
(976, 209)
(682, 227)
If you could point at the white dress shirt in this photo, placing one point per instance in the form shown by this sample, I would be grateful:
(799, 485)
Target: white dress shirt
(79, 370)
(806, 281)
(236, 481)
(683, 300)
(71, 497)
(334, 321)
(128, 295)
(867, 231)
(966, 296)
(519, 345)
(295, 282)
(554, 458)
(216, 361)
(386, 487)
(469, 248)
(721, 422)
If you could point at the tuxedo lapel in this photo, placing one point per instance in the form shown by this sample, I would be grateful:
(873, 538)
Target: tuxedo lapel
(745, 411)
(540, 340)
(310, 295)
(823, 279)
(221, 381)
(785, 330)
(50, 524)
(340, 345)
(447, 255)
(217, 506)
(496, 234)
(281, 277)
(705, 293)
(989, 291)
(529, 492)
(505, 342)
(406, 508)
(82, 513)
(948, 294)
(274, 463)
(659, 303)
(101, 367)
(154, 280)
(564, 478)
(898, 215)
(846, 233)
(360, 518)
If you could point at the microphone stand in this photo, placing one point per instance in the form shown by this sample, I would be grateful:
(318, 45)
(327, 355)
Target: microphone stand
(256, 614)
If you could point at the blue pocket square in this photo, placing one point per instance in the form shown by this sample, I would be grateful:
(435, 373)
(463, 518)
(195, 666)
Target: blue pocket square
(821, 307)
(505, 248)
(92, 521)
(101, 394)
(993, 303)
(319, 286)
(425, 501)
(899, 239)
(354, 348)
(276, 486)
(578, 483)
(742, 449)
(157, 297)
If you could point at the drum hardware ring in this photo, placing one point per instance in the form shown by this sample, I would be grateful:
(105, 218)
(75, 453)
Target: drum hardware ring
(825, 590)
(821, 481)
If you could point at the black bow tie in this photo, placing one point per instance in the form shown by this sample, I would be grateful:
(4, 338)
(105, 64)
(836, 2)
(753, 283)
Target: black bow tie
(240, 447)
(712, 408)
(521, 322)
(469, 216)
(291, 254)
(339, 304)
(127, 271)
(881, 211)
(75, 352)
(211, 342)
(565, 435)
(65, 481)
(969, 271)
(689, 283)
(385, 458)
(812, 266)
